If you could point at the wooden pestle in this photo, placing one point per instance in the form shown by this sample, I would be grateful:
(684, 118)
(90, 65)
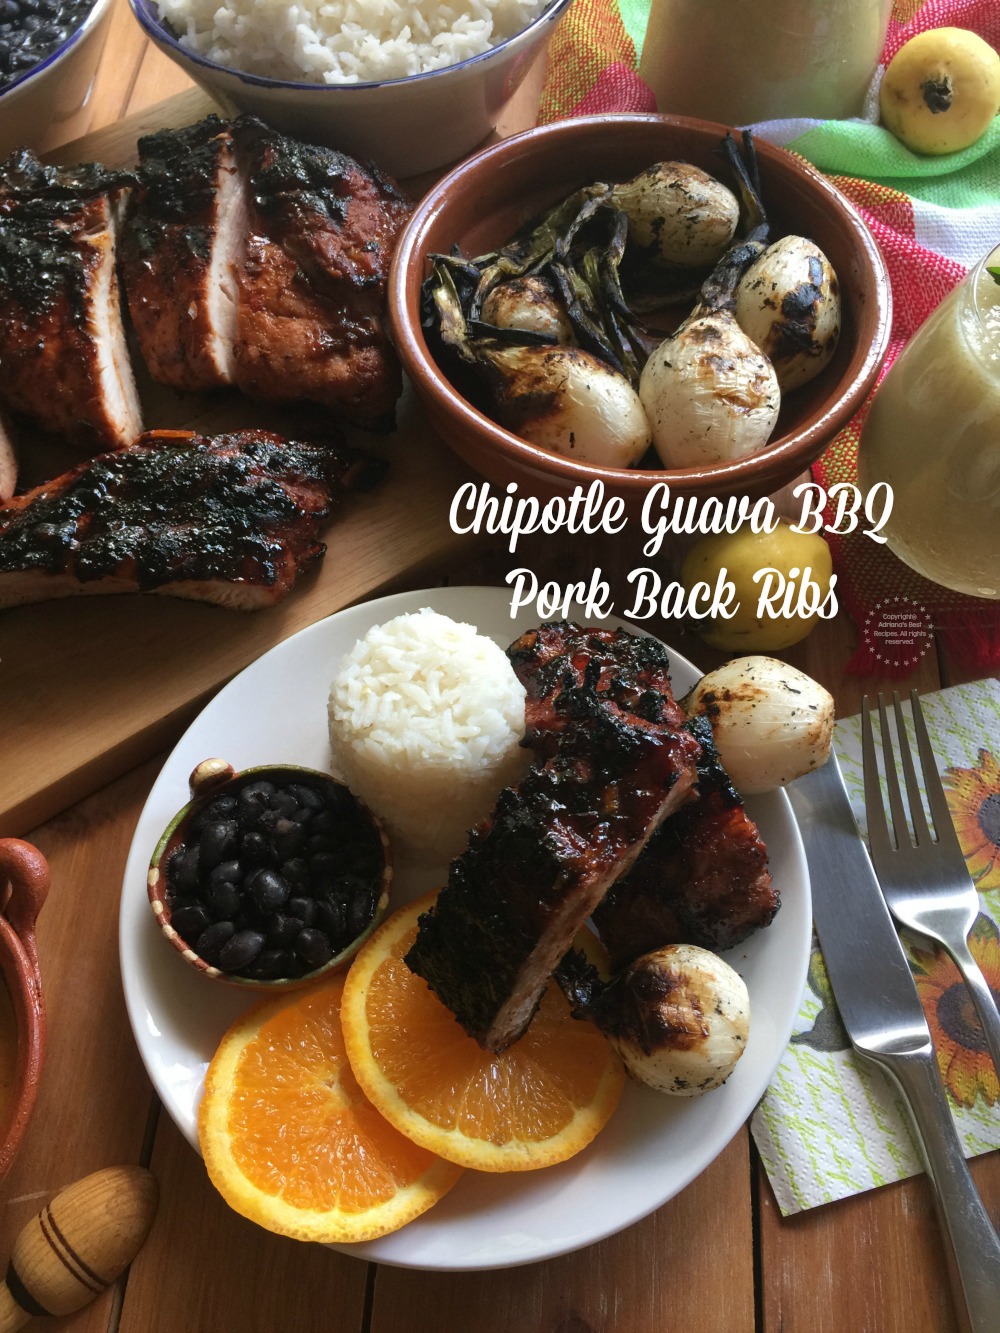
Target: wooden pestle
(78, 1244)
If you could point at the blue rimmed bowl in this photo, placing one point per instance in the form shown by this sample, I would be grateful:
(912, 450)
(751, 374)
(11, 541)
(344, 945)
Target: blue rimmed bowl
(48, 104)
(406, 126)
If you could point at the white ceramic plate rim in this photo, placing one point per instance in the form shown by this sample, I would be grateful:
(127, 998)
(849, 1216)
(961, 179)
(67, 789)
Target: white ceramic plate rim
(654, 1145)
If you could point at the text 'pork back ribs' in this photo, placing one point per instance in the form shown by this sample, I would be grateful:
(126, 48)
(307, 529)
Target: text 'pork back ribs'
(615, 760)
(63, 351)
(231, 519)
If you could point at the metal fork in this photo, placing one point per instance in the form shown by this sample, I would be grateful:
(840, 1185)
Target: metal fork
(924, 878)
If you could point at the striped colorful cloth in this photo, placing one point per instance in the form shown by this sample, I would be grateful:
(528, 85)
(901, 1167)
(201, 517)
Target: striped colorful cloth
(933, 218)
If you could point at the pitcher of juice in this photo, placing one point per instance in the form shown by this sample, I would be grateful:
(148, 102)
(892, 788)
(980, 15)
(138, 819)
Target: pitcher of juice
(738, 61)
(933, 433)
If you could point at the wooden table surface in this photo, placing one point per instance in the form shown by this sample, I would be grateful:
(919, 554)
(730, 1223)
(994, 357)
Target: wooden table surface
(716, 1259)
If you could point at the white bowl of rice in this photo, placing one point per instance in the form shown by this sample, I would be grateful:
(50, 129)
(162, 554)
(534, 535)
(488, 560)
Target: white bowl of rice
(409, 85)
(426, 718)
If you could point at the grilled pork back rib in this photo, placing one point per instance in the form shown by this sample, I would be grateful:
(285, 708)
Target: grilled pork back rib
(182, 247)
(63, 357)
(232, 519)
(615, 761)
(312, 303)
(701, 879)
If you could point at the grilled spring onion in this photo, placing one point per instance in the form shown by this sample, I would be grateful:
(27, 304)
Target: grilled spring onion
(710, 393)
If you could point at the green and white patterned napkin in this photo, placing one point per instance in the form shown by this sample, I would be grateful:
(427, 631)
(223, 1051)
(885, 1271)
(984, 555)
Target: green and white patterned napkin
(829, 1125)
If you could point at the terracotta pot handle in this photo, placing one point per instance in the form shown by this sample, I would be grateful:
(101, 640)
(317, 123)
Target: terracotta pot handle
(26, 870)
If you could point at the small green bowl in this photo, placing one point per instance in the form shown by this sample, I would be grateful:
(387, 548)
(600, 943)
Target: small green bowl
(214, 778)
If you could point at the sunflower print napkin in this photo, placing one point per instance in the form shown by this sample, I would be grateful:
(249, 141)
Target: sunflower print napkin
(829, 1125)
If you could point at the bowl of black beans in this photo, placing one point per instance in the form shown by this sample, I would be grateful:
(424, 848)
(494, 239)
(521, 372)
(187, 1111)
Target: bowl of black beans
(271, 877)
(49, 52)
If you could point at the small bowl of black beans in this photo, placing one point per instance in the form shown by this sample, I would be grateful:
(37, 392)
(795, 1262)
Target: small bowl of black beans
(269, 878)
(49, 53)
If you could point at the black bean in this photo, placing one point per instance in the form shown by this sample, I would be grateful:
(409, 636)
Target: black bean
(313, 947)
(360, 911)
(302, 908)
(189, 921)
(255, 849)
(182, 869)
(211, 940)
(262, 788)
(217, 843)
(241, 949)
(307, 797)
(224, 901)
(284, 803)
(324, 868)
(297, 873)
(282, 930)
(289, 838)
(226, 872)
(269, 890)
(272, 964)
(331, 916)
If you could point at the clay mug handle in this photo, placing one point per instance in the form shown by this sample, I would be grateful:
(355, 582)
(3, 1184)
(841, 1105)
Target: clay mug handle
(26, 870)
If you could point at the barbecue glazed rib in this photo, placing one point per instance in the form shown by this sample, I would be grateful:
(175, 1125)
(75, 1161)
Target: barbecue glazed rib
(231, 519)
(63, 352)
(702, 878)
(616, 762)
(181, 249)
(312, 318)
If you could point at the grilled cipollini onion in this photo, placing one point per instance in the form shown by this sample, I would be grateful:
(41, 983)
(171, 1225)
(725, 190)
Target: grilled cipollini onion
(771, 722)
(567, 400)
(528, 304)
(679, 1018)
(678, 214)
(788, 303)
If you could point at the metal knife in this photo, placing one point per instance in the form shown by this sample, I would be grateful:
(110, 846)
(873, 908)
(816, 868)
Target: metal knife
(881, 1010)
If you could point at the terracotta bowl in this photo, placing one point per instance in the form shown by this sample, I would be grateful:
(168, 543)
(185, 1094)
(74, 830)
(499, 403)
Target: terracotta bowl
(482, 203)
(24, 884)
(214, 778)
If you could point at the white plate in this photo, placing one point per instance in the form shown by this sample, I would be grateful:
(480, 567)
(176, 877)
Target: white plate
(275, 712)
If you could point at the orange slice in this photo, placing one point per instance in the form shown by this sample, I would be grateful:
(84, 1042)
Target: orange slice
(540, 1102)
(290, 1140)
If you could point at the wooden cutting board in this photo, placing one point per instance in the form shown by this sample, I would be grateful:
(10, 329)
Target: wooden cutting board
(89, 687)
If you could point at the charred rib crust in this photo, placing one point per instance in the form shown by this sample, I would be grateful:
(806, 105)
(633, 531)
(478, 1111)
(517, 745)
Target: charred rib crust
(176, 507)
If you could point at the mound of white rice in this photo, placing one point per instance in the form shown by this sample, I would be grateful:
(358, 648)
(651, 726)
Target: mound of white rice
(344, 41)
(426, 716)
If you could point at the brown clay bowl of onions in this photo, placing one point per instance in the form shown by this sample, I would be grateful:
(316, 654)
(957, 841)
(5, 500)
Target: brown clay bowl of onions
(269, 878)
(639, 299)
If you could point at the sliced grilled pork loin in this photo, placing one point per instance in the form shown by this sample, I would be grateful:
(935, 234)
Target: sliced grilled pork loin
(312, 308)
(62, 342)
(231, 519)
(701, 879)
(182, 247)
(617, 762)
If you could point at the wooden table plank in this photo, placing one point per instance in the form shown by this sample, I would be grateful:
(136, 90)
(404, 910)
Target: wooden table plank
(688, 1266)
(94, 1100)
